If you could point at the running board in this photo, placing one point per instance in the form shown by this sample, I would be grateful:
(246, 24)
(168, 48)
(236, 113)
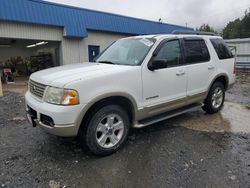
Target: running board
(167, 115)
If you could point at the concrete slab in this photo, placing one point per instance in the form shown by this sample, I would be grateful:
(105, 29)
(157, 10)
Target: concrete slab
(19, 86)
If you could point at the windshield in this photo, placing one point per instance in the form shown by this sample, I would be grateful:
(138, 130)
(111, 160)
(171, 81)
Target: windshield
(131, 51)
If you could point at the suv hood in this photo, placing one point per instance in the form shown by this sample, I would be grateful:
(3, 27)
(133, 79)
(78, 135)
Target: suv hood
(62, 75)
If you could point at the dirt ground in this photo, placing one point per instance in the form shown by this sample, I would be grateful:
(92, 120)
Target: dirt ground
(191, 150)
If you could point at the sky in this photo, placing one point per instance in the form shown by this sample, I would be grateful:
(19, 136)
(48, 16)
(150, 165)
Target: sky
(194, 13)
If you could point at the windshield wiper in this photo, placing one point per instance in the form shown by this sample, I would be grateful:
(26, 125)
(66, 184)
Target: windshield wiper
(106, 62)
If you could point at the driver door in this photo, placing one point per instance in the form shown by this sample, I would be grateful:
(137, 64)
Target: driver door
(165, 88)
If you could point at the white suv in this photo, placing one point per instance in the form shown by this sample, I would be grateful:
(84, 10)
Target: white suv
(135, 82)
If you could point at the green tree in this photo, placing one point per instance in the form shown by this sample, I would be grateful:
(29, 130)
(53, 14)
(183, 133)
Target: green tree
(206, 28)
(239, 28)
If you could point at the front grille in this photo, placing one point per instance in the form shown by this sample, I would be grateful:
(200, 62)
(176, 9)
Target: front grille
(36, 89)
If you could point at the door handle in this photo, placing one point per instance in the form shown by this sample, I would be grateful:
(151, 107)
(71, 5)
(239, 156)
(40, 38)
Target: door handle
(211, 67)
(180, 73)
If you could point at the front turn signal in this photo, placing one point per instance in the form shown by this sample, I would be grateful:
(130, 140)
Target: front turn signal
(70, 97)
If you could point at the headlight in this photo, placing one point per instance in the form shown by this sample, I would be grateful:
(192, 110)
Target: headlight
(61, 96)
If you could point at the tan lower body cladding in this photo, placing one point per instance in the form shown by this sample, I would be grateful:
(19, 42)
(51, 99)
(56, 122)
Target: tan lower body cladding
(170, 105)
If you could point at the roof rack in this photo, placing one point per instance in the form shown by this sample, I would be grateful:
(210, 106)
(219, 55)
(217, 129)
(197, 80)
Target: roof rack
(178, 32)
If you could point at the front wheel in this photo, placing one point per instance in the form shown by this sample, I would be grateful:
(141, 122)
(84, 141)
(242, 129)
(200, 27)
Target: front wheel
(215, 99)
(107, 130)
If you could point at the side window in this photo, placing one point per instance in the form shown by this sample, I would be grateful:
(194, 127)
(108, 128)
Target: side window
(221, 49)
(170, 52)
(196, 51)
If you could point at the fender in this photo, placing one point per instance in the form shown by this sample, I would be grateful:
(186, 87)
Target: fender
(100, 97)
(217, 76)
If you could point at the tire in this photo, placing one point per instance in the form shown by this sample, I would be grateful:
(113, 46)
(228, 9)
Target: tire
(215, 100)
(106, 131)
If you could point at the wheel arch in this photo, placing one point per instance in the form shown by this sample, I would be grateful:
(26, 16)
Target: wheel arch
(126, 101)
(223, 78)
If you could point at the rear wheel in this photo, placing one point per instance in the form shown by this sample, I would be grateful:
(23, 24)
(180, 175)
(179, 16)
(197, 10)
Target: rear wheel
(107, 130)
(215, 99)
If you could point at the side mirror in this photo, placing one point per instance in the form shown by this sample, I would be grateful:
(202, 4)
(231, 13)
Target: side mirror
(157, 64)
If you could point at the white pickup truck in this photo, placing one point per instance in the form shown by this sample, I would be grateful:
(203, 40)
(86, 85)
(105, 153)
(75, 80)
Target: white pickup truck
(135, 82)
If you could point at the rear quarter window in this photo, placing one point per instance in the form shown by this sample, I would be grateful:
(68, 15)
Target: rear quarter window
(221, 49)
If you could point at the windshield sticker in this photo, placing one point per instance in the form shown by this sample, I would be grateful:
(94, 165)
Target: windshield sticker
(146, 42)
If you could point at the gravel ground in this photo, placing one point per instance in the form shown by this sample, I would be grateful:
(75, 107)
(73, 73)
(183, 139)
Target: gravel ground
(192, 150)
(240, 93)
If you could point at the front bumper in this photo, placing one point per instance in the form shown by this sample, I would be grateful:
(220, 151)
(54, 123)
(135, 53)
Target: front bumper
(64, 118)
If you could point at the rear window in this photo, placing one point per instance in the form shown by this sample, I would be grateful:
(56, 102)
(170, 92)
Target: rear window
(196, 51)
(221, 49)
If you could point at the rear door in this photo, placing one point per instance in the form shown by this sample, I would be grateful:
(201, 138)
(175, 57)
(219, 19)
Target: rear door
(199, 66)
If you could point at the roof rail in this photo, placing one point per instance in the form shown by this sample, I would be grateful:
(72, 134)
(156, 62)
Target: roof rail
(178, 32)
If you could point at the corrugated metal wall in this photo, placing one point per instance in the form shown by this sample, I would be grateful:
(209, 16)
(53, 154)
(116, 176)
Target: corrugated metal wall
(243, 51)
(30, 31)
